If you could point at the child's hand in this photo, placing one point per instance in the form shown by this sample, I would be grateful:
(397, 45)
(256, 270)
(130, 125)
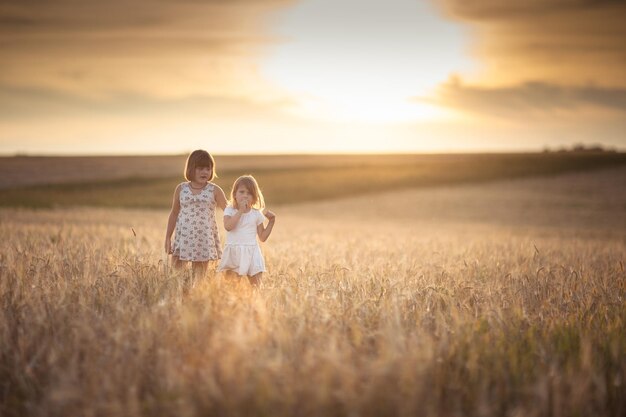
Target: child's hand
(270, 215)
(168, 246)
(243, 204)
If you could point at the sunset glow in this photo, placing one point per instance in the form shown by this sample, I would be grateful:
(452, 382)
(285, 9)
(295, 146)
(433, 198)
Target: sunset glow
(277, 76)
(351, 71)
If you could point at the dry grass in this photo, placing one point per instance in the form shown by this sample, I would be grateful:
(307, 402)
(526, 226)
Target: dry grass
(452, 301)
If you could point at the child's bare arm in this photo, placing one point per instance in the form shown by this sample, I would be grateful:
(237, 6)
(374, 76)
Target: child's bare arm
(230, 222)
(265, 231)
(220, 197)
(171, 221)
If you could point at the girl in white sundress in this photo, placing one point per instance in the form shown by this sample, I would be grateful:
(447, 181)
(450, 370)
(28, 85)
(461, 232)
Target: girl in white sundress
(243, 221)
(193, 216)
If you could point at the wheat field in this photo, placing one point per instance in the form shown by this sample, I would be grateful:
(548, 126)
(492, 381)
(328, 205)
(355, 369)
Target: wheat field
(499, 299)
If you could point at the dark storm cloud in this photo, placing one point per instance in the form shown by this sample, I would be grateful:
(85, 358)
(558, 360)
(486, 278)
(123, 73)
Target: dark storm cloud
(531, 98)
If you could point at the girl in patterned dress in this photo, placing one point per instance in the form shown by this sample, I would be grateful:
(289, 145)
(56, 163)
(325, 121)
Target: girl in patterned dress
(193, 216)
(243, 221)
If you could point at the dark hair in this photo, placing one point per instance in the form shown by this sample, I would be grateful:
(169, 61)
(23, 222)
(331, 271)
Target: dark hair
(198, 159)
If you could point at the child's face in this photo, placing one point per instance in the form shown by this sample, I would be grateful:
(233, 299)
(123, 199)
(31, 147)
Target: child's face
(242, 194)
(202, 174)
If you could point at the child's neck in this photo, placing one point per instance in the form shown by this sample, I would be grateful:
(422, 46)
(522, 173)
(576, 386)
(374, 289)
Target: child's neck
(197, 184)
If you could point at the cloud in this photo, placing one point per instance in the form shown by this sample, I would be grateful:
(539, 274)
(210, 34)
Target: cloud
(162, 47)
(569, 41)
(41, 104)
(89, 16)
(497, 9)
(533, 98)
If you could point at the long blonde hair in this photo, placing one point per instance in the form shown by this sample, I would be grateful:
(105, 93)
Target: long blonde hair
(252, 186)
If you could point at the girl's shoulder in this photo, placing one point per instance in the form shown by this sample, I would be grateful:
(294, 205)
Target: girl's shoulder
(258, 214)
(180, 187)
(229, 210)
(213, 186)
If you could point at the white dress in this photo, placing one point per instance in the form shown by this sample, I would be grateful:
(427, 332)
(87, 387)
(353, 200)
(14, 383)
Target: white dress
(196, 238)
(242, 253)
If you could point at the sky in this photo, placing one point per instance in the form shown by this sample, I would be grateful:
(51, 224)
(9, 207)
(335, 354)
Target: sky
(278, 76)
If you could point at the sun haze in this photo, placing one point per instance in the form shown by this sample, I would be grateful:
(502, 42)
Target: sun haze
(276, 76)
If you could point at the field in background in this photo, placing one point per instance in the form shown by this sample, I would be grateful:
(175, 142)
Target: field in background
(504, 298)
(148, 182)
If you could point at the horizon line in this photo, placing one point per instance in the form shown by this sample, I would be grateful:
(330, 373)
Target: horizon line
(559, 149)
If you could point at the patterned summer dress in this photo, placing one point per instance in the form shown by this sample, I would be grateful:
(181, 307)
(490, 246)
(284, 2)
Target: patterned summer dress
(196, 237)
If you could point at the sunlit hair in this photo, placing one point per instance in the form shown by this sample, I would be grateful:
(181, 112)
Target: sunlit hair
(199, 159)
(252, 186)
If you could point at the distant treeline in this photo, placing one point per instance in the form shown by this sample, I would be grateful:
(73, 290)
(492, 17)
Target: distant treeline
(580, 148)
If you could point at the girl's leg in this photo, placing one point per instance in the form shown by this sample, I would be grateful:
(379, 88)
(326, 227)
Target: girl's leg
(199, 268)
(211, 270)
(177, 263)
(231, 276)
(255, 280)
(198, 271)
(232, 279)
